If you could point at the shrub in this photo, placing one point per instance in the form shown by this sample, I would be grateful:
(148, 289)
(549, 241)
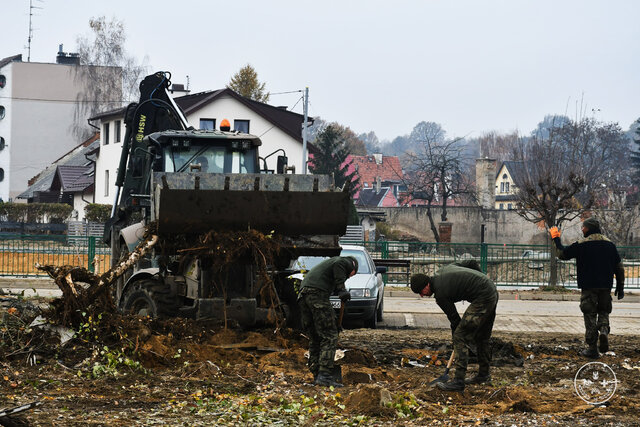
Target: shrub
(96, 212)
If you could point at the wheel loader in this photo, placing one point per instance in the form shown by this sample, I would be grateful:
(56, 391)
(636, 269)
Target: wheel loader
(187, 182)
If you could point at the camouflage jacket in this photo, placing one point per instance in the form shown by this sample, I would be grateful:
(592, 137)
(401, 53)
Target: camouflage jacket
(454, 283)
(329, 275)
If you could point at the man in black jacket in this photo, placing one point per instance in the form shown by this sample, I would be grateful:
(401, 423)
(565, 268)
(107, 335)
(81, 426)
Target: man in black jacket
(597, 260)
(454, 283)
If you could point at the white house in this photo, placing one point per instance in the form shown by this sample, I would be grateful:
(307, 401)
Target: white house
(37, 115)
(278, 129)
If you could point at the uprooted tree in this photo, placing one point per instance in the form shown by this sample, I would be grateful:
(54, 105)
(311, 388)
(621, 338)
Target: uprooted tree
(564, 168)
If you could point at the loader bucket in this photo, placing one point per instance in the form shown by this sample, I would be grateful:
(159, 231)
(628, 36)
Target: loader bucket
(290, 205)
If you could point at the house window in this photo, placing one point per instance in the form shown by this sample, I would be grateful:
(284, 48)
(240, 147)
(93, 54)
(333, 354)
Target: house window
(105, 134)
(241, 126)
(366, 185)
(116, 130)
(501, 205)
(2, 143)
(3, 81)
(106, 183)
(506, 187)
(207, 124)
(1, 174)
(509, 206)
(502, 187)
(2, 111)
(504, 176)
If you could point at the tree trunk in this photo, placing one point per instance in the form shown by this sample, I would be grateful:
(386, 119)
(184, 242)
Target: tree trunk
(553, 266)
(432, 223)
(443, 215)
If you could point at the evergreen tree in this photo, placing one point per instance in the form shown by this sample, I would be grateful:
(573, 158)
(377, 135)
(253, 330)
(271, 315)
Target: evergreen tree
(246, 83)
(330, 157)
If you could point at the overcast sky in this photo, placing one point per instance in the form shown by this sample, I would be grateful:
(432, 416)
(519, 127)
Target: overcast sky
(472, 66)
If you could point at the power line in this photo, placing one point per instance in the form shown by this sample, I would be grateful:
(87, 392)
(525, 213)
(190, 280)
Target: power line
(282, 93)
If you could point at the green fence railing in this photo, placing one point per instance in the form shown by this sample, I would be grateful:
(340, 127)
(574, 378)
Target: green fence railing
(508, 265)
(20, 252)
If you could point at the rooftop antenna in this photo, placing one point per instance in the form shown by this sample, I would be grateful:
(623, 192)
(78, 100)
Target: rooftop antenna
(31, 7)
(187, 82)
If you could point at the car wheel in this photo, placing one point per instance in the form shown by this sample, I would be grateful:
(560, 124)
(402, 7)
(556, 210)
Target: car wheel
(380, 310)
(148, 297)
(372, 322)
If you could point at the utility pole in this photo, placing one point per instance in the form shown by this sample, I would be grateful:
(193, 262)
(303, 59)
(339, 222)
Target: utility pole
(304, 131)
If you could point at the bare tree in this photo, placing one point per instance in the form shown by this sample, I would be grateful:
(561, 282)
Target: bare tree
(618, 209)
(499, 146)
(436, 170)
(563, 172)
(110, 76)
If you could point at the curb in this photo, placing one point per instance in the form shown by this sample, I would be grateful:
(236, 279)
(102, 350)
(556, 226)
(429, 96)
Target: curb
(528, 296)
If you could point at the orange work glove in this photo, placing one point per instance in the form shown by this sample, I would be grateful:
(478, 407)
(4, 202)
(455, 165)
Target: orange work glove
(555, 232)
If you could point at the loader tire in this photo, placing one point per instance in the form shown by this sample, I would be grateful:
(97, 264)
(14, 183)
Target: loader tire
(148, 297)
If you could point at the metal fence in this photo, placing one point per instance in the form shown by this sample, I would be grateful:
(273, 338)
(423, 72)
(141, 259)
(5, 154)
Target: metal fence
(507, 265)
(20, 252)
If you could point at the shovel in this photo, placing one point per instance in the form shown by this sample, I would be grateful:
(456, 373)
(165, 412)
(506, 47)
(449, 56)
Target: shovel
(337, 369)
(444, 377)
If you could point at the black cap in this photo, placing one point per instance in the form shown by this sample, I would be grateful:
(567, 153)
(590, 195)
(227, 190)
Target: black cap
(419, 282)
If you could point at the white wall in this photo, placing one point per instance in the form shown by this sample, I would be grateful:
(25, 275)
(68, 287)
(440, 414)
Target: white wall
(108, 160)
(41, 100)
(5, 131)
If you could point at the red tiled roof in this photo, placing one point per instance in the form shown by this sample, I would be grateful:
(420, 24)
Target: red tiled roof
(368, 169)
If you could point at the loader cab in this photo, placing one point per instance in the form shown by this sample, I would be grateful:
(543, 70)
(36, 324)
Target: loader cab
(207, 152)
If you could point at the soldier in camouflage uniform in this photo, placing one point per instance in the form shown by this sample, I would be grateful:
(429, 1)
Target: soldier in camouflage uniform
(597, 260)
(318, 318)
(454, 283)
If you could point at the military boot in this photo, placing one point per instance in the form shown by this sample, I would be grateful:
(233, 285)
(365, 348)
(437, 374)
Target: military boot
(478, 379)
(326, 379)
(604, 341)
(456, 384)
(590, 352)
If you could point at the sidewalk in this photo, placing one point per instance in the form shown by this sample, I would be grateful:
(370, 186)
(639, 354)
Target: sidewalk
(510, 294)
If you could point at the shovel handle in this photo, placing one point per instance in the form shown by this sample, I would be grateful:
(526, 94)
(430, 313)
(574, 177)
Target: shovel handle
(341, 313)
(450, 362)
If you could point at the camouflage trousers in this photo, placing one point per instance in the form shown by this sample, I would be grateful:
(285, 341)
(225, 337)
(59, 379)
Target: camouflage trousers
(319, 324)
(475, 327)
(595, 305)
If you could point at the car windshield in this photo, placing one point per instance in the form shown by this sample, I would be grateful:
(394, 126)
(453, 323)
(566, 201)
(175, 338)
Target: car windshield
(308, 262)
(363, 265)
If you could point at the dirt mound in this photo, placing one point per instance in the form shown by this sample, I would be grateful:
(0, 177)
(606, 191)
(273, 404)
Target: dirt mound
(358, 356)
(369, 400)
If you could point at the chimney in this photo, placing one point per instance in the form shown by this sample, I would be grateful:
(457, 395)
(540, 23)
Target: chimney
(64, 58)
(378, 158)
(486, 182)
(378, 184)
(179, 89)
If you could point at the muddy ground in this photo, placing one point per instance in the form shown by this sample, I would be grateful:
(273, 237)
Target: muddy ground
(145, 372)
